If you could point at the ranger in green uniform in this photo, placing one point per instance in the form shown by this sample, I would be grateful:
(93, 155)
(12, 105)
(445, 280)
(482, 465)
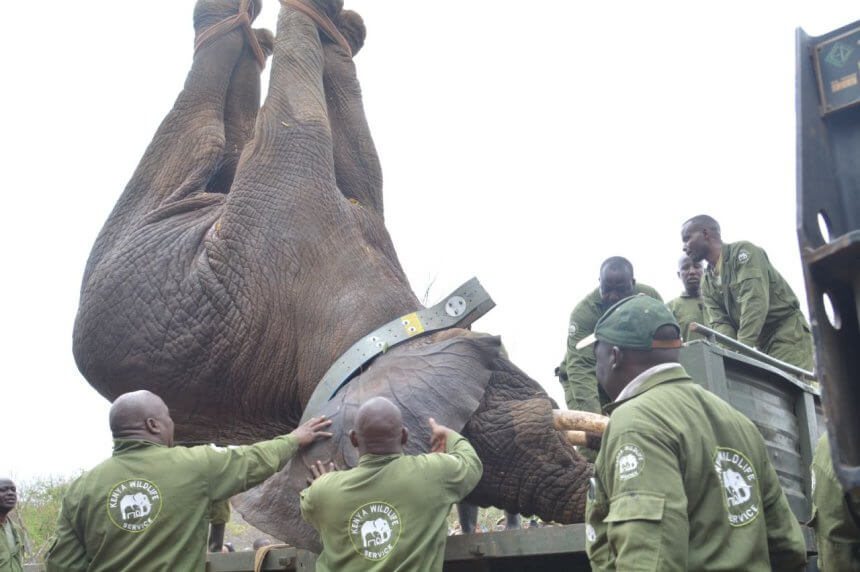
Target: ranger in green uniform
(219, 516)
(390, 512)
(11, 542)
(688, 307)
(146, 507)
(616, 282)
(682, 480)
(836, 531)
(745, 297)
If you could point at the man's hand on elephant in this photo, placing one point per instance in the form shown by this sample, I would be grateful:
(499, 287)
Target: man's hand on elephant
(318, 469)
(438, 437)
(311, 430)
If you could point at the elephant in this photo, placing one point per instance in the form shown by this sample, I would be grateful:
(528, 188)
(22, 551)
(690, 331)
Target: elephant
(136, 505)
(249, 251)
(737, 490)
(375, 532)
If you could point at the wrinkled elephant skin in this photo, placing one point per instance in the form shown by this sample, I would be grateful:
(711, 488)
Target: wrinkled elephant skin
(249, 251)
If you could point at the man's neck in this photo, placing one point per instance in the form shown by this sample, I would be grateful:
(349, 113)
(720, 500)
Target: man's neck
(641, 377)
(694, 293)
(714, 254)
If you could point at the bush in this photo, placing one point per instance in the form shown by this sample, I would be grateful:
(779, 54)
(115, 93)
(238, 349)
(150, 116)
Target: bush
(38, 508)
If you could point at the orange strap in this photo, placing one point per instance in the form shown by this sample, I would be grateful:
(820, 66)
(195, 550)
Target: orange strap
(243, 18)
(323, 21)
(262, 552)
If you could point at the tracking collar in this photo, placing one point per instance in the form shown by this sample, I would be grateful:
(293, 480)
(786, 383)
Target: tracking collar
(462, 307)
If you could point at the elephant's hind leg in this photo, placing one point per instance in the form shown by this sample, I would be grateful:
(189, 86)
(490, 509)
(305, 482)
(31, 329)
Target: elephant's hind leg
(288, 171)
(189, 142)
(356, 163)
(240, 111)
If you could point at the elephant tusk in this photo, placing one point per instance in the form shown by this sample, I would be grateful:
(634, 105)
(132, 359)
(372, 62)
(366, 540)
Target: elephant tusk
(579, 421)
(575, 437)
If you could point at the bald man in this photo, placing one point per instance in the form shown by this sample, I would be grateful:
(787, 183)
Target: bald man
(616, 281)
(745, 297)
(11, 542)
(390, 512)
(146, 507)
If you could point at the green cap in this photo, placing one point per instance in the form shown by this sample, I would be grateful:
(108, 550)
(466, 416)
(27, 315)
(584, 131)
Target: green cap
(632, 322)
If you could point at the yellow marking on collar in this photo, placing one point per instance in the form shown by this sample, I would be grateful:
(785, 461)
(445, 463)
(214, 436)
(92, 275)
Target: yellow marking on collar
(412, 324)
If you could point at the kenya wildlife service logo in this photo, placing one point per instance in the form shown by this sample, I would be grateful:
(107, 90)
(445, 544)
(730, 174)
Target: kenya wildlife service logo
(629, 462)
(374, 529)
(740, 486)
(134, 504)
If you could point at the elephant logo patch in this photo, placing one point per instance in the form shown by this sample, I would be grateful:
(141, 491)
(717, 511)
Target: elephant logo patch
(375, 529)
(133, 505)
(629, 462)
(743, 256)
(740, 486)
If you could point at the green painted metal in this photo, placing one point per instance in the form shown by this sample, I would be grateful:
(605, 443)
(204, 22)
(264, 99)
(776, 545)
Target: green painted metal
(525, 550)
(289, 559)
(546, 541)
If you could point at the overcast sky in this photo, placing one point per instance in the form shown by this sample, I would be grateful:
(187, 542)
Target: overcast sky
(540, 138)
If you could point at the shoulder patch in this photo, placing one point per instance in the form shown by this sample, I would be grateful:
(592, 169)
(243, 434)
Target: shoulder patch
(571, 329)
(590, 535)
(740, 486)
(743, 256)
(629, 462)
(134, 504)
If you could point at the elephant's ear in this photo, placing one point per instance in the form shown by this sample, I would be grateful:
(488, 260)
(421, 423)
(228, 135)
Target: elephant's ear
(442, 376)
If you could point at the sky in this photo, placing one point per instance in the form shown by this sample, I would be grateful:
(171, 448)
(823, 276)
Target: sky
(539, 138)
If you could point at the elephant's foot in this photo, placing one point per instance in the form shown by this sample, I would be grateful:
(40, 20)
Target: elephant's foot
(352, 27)
(208, 13)
(214, 19)
(324, 13)
(266, 40)
(330, 8)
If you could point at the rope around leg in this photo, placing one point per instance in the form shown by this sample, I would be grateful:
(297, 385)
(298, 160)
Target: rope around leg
(323, 21)
(243, 18)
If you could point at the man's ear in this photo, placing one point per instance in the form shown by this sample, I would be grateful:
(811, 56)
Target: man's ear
(404, 436)
(616, 357)
(353, 438)
(152, 426)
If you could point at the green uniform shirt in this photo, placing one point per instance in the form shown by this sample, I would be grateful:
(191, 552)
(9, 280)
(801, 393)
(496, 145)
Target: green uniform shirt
(836, 532)
(11, 548)
(220, 512)
(688, 309)
(582, 392)
(747, 299)
(683, 482)
(146, 508)
(390, 512)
